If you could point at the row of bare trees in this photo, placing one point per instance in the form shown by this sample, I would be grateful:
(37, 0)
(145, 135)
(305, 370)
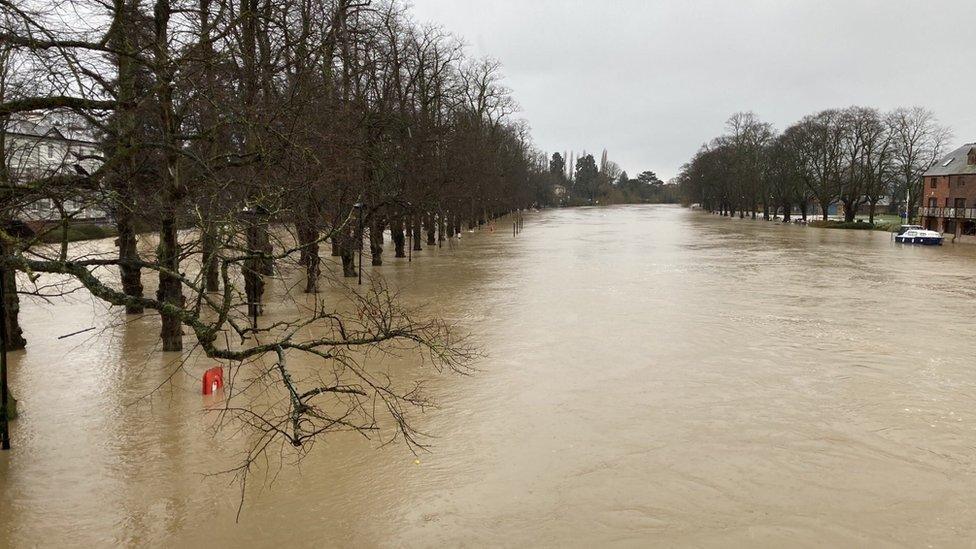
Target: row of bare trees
(242, 137)
(854, 157)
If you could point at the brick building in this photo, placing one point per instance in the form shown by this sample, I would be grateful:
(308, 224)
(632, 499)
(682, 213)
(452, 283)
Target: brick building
(949, 194)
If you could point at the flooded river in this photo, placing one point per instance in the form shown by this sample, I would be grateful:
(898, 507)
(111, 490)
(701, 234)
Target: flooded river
(654, 376)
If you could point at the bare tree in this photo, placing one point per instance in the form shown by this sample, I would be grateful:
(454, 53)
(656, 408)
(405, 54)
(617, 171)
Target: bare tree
(919, 140)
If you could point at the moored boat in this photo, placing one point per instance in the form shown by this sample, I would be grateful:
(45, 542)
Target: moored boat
(916, 234)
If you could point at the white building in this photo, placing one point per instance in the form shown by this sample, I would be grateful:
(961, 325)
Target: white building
(39, 146)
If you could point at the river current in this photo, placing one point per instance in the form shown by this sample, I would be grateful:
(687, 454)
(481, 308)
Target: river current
(652, 376)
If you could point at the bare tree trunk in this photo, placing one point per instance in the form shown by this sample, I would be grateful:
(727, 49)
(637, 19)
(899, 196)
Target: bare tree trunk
(334, 241)
(15, 336)
(170, 288)
(211, 275)
(125, 136)
(431, 232)
(376, 241)
(130, 273)
(441, 227)
(263, 242)
(399, 238)
(415, 227)
(308, 240)
(347, 251)
(849, 212)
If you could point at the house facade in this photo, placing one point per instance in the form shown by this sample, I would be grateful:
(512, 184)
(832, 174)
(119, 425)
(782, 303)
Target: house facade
(949, 194)
(40, 146)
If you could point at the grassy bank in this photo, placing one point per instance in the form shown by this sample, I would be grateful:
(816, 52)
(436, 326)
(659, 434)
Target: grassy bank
(855, 225)
(79, 231)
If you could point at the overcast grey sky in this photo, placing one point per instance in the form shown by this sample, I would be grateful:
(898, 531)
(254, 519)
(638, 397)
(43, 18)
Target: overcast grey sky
(650, 80)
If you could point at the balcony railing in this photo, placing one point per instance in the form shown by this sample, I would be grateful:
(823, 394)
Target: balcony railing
(956, 213)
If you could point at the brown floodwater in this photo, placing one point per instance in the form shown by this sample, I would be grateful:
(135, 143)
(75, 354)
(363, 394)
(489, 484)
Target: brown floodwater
(654, 376)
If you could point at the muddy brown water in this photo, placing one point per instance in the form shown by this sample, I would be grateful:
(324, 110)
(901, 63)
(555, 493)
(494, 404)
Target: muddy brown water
(655, 376)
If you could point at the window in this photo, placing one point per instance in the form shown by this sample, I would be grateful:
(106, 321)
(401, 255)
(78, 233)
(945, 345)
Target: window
(933, 203)
(933, 182)
(960, 203)
(50, 151)
(947, 202)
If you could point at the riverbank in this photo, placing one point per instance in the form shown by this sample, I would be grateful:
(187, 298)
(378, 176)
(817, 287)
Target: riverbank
(854, 225)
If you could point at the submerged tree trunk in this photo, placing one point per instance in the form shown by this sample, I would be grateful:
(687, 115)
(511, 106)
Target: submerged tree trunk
(347, 251)
(874, 205)
(251, 270)
(254, 266)
(415, 229)
(431, 234)
(263, 242)
(170, 288)
(376, 241)
(211, 275)
(125, 126)
(130, 273)
(399, 239)
(308, 236)
(15, 336)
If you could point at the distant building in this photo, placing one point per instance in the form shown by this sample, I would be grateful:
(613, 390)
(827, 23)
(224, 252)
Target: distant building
(559, 191)
(949, 194)
(42, 146)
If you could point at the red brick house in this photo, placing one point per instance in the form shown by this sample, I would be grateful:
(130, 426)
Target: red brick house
(949, 194)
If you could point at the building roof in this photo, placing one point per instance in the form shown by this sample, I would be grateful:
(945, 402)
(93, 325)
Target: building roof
(48, 127)
(954, 163)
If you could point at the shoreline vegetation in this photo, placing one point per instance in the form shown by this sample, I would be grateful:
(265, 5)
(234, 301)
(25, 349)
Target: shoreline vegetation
(858, 225)
(883, 223)
(853, 162)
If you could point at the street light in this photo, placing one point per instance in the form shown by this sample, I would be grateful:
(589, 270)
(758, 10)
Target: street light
(359, 206)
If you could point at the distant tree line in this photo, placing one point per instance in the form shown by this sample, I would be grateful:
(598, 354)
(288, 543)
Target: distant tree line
(586, 182)
(854, 157)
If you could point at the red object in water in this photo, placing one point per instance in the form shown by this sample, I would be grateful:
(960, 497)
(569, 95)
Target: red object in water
(213, 379)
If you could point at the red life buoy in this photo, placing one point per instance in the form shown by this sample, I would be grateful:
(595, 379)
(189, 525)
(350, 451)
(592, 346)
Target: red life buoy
(213, 380)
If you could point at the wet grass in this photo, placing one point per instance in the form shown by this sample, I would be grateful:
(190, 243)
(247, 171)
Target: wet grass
(78, 232)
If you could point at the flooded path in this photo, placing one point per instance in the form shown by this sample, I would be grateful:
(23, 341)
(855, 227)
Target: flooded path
(655, 376)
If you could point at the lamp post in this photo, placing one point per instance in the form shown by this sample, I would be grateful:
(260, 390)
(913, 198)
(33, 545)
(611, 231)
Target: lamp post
(359, 207)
